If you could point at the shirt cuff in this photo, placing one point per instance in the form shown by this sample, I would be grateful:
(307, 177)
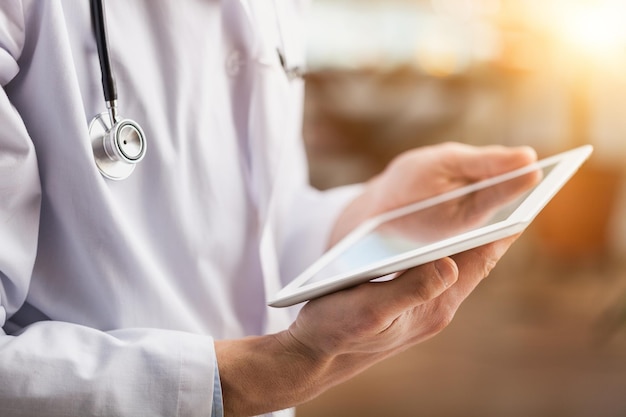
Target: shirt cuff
(218, 402)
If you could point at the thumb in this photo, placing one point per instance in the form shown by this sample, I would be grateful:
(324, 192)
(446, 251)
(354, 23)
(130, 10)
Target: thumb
(417, 285)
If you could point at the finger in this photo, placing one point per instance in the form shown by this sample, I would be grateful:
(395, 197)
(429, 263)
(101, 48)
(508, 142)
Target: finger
(416, 286)
(484, 203)
(474, 265)
(474, 163)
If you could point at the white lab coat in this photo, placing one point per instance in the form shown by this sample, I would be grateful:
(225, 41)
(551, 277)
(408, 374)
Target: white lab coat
(111, 293)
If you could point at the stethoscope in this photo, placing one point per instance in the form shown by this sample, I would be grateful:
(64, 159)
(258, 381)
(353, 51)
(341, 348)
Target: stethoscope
(118, 144)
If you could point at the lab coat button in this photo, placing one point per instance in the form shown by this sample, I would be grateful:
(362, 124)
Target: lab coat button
(233, 63)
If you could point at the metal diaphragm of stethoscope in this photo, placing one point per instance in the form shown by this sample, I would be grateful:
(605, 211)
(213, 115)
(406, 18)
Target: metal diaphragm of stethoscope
(118, 144)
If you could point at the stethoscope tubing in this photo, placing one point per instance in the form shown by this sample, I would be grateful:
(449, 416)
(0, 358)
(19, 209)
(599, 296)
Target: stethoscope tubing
(98, 17)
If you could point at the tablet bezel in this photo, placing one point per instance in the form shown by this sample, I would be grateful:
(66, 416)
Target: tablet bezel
(565, 165)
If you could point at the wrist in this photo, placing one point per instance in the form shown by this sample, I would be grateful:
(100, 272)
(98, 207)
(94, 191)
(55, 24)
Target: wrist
(267, 373)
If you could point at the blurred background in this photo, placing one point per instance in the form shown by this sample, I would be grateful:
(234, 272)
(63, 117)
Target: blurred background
(545, 335)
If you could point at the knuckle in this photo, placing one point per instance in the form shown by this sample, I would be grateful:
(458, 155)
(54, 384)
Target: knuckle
(441, 318)
(369, 319)
(427, 286)
(446, 315)
(488, 266)
(422, 290)
(483, 260)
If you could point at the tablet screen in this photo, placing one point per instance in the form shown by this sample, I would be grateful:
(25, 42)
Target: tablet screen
(417, 229)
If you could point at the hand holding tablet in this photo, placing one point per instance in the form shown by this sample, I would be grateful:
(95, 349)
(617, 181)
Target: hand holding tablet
(440, 226)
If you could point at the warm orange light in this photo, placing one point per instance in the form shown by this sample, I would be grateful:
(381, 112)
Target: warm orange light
(594, 28)
(569, 32)
(439, 58)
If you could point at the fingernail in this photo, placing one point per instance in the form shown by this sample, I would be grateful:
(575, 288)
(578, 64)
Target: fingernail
(447, 271)
(529, 151)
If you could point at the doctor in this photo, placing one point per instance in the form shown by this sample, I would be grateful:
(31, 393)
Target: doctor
(145, 296)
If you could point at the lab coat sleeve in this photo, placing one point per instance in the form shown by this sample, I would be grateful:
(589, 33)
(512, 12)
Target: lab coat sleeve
(60, 369)
(55, 368)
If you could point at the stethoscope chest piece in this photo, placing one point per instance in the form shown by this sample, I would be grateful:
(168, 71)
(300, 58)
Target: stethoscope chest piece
(117, 146)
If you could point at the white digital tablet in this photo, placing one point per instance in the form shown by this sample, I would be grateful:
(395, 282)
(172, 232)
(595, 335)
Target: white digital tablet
(434, 228)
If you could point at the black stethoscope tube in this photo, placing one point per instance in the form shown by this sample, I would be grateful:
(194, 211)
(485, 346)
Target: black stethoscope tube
(98, 18)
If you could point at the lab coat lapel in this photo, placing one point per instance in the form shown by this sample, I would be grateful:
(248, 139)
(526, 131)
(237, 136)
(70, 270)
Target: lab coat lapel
(270, 123)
